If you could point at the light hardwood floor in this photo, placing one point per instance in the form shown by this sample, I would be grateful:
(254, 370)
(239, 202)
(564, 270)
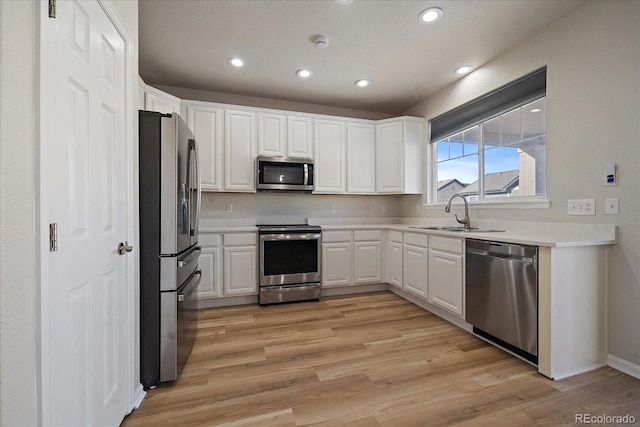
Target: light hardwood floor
(366, 360)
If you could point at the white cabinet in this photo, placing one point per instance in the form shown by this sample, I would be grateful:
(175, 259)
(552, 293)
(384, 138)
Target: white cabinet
(330, 156)
(415, 262)
(210, 263)
(337, 258)
(299, 136)
(399, 158)
(367, 256)
(207, 124)
(360, 157)
(394, 259)
(272, 134)
(446, 272)
(162, 102)
(239, 151)
(240, 264)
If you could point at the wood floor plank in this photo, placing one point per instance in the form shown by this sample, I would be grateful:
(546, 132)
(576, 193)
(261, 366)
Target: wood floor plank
(365, 360)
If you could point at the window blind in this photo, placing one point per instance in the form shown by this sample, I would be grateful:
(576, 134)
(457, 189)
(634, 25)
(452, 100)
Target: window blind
(519, 91)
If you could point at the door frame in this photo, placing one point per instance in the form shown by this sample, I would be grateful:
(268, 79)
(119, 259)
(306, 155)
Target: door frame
(135, 391)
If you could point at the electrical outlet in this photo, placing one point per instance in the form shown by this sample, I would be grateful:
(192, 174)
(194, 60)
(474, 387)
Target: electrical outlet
(583, 207)
(229, 208)
(417, 208)
(332, 209)
(611, 206)
(383, 208)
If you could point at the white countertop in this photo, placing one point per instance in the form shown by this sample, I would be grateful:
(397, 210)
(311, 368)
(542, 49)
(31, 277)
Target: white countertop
(528, 233)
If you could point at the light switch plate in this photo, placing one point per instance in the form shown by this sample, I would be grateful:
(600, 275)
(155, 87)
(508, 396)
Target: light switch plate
(611, 206)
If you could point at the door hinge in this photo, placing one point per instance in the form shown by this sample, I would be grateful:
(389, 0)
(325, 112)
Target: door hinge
(52, 8)
(53, 237)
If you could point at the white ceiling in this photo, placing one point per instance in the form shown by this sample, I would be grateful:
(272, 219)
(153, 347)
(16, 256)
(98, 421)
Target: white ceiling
(186, 43)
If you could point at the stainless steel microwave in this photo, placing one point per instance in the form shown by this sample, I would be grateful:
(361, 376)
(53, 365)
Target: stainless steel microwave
(284, 174)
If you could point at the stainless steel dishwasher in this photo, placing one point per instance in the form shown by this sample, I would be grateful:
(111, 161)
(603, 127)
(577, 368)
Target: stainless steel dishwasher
(502, 295)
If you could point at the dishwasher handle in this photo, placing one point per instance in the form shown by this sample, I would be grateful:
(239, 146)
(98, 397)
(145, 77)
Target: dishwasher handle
(497, 250)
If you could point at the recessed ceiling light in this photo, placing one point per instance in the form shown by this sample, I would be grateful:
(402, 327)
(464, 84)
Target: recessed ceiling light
(236, 62)
(463, 70)
(304, 73)
(362, 83)
(430, 15)
(536, 110)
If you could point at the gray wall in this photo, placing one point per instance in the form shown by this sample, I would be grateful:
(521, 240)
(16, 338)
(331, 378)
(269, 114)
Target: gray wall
(593, 118)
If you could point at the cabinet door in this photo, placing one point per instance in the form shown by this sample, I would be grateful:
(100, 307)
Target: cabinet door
(162, 102)
(240, 149)
(445, 281)
(394, 264)
(207, 123)
(299, 137)
(389, 157)
(360, 158)
(240, 271)
(367, 257)
(210, 262)
(272, 134)
(415, 272)
(330, 156)
(336, 264)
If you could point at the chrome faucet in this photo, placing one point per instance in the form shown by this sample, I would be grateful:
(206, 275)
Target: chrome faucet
(465, 221)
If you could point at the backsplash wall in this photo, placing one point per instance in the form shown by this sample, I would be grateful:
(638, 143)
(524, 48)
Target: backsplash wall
(294, 205)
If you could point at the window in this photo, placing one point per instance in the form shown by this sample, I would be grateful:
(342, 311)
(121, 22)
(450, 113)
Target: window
(495, 146)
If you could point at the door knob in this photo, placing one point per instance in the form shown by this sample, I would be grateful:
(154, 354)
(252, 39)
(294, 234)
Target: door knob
(123, 248)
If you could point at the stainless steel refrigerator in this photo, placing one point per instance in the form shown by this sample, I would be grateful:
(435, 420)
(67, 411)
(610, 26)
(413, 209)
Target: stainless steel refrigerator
(169, 184)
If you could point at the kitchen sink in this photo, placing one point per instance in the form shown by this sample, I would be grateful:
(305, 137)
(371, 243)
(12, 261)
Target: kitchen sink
(459, 229)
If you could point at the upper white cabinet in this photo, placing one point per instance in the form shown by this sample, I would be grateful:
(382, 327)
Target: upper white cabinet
(207, 124)
(399, 161)
(162, 102)
(330, 156)
(299, 136)
(240, 150)
(272, 134)
(361, 159)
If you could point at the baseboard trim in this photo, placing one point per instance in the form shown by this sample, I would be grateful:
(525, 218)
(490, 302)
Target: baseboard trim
(625, 366)
(354, 289)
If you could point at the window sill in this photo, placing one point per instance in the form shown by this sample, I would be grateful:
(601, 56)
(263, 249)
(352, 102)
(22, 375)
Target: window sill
(498, 204)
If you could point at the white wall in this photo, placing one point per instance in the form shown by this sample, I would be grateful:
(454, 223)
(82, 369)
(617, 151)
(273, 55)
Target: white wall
(19, 304)
(19, 251)
(593, 118)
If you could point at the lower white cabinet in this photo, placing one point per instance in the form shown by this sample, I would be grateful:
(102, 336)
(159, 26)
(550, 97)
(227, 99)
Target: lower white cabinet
(446, 268)
(415, 264)
(351, 257)
(229, 265)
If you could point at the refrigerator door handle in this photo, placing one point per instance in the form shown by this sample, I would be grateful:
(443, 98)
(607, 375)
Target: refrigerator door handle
(194, 187)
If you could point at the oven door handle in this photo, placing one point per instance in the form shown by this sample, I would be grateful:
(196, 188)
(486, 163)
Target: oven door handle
(290, 236)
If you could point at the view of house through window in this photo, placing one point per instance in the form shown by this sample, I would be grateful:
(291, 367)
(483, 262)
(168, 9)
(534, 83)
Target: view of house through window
(504, 156)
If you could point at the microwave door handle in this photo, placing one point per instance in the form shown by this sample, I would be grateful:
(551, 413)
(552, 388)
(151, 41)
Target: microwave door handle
(306, 174)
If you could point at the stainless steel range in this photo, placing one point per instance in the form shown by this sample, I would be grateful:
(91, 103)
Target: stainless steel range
(290, 263)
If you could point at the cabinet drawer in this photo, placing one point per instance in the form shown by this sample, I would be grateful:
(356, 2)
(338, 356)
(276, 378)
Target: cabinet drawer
(367, 235)
(209, 240)
(446, 244)
(395, 236)
(336, 236)
(240, 239)
(421, 240)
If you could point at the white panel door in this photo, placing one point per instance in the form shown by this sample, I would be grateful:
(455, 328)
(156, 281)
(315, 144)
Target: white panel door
(210, 262)
(445, 281)
(240, 151)
(330, 156)
(86, 170)
(367, 265)
(207, 124)
(337, 261)
(157, 100)
(240, 271)
(361, 160)
(389, 157)
(272, 131)
(299, 137)
(415, 270)
(394, 264)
